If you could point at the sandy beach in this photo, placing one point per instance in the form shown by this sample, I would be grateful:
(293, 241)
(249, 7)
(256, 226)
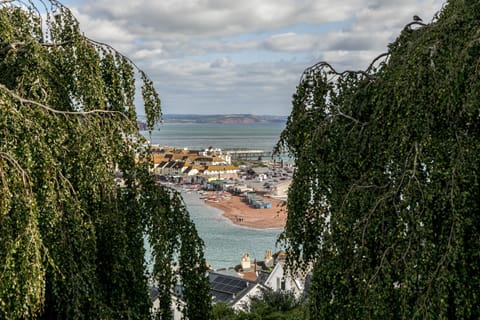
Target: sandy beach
(240, 213)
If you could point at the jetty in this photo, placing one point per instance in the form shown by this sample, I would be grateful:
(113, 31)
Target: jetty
(249, 154)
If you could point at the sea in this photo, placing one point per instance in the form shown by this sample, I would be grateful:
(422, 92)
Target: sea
(195, 136)
(224, 241)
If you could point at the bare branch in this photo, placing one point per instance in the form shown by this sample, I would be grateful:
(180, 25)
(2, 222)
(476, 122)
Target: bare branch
(19, 46)
(414, 170)
(340, 113)
(323, 65)
(52, 110)
(59, 44)
(385, 54)
(11, 46)
(18, 168)
(381, 264)
(418, 23)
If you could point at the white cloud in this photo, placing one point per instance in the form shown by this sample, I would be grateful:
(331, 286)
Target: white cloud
(147, 53)
(292, 42)
(214, 17)
(207, 55)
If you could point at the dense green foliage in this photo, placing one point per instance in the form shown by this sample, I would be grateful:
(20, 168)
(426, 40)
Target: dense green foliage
(385, 200)
(72, 239)
(270, 305)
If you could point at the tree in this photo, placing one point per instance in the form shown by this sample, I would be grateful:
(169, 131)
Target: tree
(269, 304)
(275, 305)
(385, 197)
(71, 236)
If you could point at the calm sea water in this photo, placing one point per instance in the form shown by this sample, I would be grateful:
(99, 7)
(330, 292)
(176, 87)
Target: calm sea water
(257, 136)
(224, 242)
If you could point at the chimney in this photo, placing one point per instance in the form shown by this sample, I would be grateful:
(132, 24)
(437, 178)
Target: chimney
(268, 258)
(245, 262)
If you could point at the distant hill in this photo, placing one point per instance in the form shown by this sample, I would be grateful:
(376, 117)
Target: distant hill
(223, 118)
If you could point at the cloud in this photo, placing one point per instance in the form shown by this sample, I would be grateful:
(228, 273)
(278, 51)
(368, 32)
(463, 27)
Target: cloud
(291, 42)
(211, 56)
(225, 85)
(215, 17)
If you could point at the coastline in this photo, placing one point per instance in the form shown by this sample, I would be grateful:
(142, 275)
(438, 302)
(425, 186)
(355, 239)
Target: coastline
(241, 214)
(225, 241)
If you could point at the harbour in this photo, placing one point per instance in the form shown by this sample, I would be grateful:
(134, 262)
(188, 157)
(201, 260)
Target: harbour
(225, 242)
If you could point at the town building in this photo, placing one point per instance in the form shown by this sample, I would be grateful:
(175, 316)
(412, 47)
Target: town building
(237, 286)
(183, 164)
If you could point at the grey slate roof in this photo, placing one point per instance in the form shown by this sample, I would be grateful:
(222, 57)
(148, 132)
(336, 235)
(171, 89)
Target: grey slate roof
(226, 288)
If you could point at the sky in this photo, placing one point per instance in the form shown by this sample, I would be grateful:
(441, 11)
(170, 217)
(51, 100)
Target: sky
(243, 56)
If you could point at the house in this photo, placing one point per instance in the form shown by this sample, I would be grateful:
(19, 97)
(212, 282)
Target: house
(159, 167)
(232, 290)
(281, 279)
(236, 287)
(177, 168)
(272, 273)
(203, 161)
(244, 298)
(216, 152)
(168, 168)
(216, 161)
(183, 163)
(225, 288)
(221, 171)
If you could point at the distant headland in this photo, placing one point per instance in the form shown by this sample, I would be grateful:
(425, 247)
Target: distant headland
(222, 118)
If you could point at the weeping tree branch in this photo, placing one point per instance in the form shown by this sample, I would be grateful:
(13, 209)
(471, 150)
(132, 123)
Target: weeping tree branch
(413, 23)
(320, 66)
(52, 110)
(150, 96)
(18, 167)
(151, 99)
(106, 45)
(20, 46)
(413, 241)
(77, 206)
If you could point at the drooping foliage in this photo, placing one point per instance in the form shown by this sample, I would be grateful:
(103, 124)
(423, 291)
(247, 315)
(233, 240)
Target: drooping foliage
(72, 237)
(385, 199)
(268, 305)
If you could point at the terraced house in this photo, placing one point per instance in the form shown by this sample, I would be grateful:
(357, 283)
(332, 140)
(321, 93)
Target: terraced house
(183, 163)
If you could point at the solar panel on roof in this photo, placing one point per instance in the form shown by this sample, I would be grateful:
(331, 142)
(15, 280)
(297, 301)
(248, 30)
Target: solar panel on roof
(223, 287)
(240, 284)
(223, 297)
